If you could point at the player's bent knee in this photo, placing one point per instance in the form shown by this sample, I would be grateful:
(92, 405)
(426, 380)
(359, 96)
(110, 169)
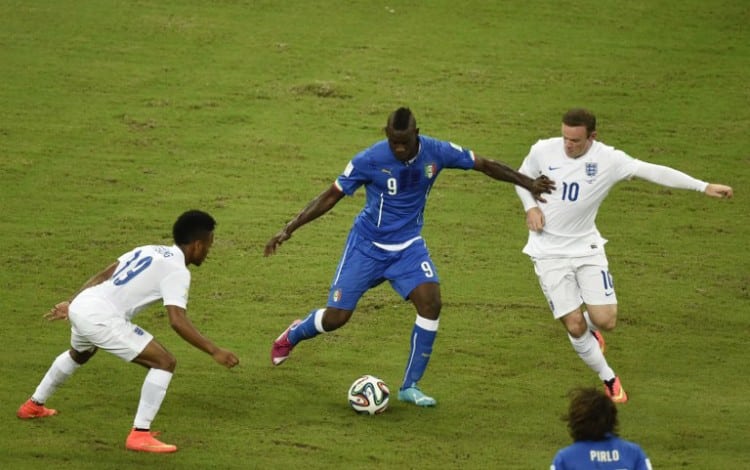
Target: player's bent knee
(335, 318)
(608, 320)
(171, 364)
(577, 331)
(166, 362)
(432, 312)
(575, 323)
(81, 357)
(609, 323)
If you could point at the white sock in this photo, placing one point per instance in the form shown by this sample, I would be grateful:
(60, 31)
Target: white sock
(319, 320)
(152, 394)
(588, 350)
(62, 367)
(589, 322)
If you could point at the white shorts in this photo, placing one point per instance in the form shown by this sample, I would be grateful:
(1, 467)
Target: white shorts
(95, 324)
(569, 282)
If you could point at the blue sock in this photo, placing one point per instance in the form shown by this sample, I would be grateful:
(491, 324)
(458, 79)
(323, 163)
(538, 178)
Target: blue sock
(310, 327)
(422, 338)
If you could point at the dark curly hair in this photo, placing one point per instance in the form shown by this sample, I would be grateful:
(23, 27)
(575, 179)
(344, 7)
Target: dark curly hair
(591, 416)
(192, 225)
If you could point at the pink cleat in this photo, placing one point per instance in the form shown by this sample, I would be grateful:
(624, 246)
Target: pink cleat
(282, 347)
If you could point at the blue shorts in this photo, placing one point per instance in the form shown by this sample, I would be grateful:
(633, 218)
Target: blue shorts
(364, 266)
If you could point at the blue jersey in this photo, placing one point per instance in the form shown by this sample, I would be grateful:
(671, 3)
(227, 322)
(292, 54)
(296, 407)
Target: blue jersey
(396, 192)
(612, 453)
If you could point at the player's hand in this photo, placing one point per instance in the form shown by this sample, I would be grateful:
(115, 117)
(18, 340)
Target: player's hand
(275, 242)
(58, 312)
(225, 358)
(720, 191)
(541, 185)
(535, 219)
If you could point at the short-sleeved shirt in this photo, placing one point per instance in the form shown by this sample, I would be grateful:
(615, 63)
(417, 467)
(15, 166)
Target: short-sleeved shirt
(143, 276)
(612, 453)
(396, 192)
(582, 184)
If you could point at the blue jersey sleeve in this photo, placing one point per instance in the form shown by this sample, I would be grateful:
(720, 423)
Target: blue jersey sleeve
(452, 155)
(354, 175)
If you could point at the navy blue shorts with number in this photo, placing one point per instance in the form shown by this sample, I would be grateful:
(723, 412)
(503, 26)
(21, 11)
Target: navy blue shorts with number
(364, 266)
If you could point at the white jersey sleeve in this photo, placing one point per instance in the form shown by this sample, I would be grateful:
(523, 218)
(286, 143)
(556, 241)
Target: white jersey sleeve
(667, 176)
(529, 168)
(175, 288)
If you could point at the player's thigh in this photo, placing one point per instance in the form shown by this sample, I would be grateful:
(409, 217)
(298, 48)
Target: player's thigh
(83, 315)
(413, 267)
(597, 283)
(557, 278)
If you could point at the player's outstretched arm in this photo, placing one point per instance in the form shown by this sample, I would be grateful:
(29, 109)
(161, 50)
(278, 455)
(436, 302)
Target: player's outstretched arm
(719, 190)
(314, 209)
(672, 178)
(184, 327)
(503, 172)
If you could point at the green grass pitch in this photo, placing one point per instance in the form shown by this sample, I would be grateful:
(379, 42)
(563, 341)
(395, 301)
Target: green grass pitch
(115, 116)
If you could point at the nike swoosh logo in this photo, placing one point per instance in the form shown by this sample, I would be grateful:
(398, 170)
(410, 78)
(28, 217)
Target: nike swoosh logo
(608, 293)
(386, 171)
(553, 168)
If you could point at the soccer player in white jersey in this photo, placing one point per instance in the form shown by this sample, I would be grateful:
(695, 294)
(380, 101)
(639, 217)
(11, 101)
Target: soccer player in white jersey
(564, 244)
(385, 241)
(100, 315)
(592, 423)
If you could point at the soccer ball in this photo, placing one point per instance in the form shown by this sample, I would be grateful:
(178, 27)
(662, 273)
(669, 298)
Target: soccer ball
(369, 395)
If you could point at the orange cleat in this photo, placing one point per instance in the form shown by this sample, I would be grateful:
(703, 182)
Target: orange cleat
(614, 390)
(31, 410)
(599, 339)
(144, 441)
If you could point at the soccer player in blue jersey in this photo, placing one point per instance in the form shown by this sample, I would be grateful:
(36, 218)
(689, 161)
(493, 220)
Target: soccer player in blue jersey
(592, 423)
(385, 242)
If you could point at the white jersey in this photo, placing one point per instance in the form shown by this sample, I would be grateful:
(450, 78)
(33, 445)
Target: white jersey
(143, 276)
(582, 184)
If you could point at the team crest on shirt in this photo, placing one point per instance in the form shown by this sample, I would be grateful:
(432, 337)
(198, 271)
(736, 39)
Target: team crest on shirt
(337, 295)
(591, 169)
(430, 170)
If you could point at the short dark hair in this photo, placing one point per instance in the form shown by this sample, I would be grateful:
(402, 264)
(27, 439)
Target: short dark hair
(401, 119)
(580, 117)
(592, 415)
(192, 225)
